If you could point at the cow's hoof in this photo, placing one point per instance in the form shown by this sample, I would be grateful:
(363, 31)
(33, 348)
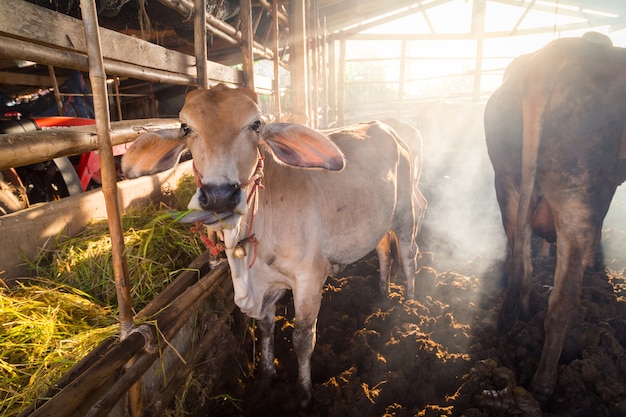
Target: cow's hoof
(541, 392)
(509, 312)
(304, 399)
(298, 405)
(507, 318)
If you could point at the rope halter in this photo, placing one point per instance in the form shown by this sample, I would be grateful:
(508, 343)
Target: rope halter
(255, 182)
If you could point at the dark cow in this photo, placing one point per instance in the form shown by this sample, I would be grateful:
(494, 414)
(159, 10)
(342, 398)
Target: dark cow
(554, 132)
(288, 235)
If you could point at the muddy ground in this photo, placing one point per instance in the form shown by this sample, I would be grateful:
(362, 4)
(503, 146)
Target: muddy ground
(441, 354)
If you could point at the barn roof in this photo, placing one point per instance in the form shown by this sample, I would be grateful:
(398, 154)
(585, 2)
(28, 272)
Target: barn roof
(343, 14)
(158, 22)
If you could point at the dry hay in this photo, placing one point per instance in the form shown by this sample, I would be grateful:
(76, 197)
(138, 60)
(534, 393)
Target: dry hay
(69, 306)
(156, 248)
(46, 328)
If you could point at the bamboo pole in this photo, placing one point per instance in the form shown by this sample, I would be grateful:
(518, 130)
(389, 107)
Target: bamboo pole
(72, 396)
(200, 48)
(98, 80)
(118, 97)
(215, 25)
(314, 53)
(61, 58)
(97, 77)
(276, 37)
(55, 86)
(168, 320)
(19, 149)
(247, 36)
(177, 315)
(191, 275)
(478, 32)
(298, 58)
(161, 401)
(273, 10)
(324, 74)
(402, 73)
(341, 82)
(332, 81)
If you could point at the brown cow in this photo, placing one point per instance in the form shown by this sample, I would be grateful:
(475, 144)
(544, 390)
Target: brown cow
(289, 234)
(554, 132)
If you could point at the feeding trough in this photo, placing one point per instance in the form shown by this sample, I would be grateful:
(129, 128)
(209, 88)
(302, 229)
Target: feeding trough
(172, 333)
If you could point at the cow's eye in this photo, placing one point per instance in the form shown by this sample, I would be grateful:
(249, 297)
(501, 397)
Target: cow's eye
(256, 126)
(185, 129)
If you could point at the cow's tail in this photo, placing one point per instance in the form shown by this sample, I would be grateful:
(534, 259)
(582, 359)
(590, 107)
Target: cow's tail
(534, 105)
(533, 108)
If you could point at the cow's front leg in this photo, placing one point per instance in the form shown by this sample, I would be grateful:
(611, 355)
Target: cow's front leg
(307, 299)
(266, 325)
(304, 343)
(383, 250)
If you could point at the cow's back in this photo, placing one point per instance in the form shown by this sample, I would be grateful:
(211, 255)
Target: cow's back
(579, 137)
(314, 207)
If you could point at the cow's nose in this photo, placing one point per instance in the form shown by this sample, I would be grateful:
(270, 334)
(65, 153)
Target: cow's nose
(219, 198)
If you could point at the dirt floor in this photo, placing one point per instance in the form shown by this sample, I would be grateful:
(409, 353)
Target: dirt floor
(441, 354)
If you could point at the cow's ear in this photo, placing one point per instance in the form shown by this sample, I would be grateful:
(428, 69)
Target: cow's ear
(300, 146)
(193, 93)
(152, 152)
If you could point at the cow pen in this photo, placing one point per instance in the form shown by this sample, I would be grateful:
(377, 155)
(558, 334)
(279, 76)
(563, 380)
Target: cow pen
(438, 355)
(94, 386)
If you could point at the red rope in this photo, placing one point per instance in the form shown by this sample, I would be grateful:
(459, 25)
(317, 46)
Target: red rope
(214, 247)
(256, 179)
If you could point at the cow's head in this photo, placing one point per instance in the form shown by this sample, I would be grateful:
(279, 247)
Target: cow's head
(223, 129)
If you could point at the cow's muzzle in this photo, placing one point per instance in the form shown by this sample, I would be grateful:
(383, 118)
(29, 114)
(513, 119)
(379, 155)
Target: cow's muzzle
(220, 198)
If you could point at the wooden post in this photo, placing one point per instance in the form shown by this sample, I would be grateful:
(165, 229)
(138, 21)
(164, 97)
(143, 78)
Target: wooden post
(314, 55)
(57, 93)
(109, 177)
(341, 84)
(118, 97)
(324, 75)
(478, 31)
(276, 60)
(97, 77)
(200, 48)
(298, 58)
(402, 74)
(332, 82)
(247, 35)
